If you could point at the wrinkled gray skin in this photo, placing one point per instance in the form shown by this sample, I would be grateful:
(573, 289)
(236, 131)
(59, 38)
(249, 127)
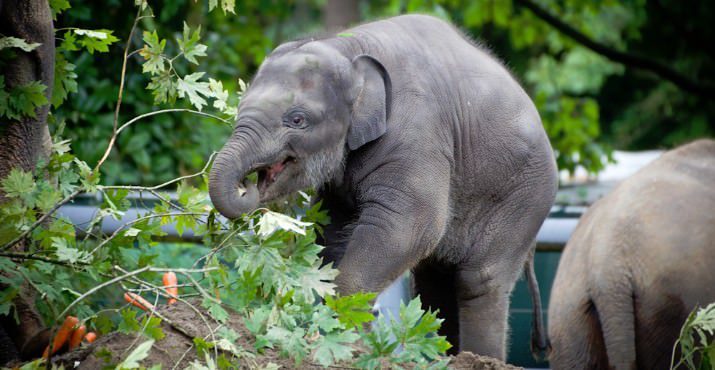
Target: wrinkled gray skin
(638, 262)
(429, 156)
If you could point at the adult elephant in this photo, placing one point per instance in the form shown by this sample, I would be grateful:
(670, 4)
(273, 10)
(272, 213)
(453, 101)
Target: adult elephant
(428, 155)
(640, 260)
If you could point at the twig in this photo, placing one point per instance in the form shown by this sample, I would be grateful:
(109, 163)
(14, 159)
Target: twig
(154, 113)
(200, 289)
(38, 258)
(146, 325)
(137, 220)
(216, 249)
(113, 138)
(157, 187)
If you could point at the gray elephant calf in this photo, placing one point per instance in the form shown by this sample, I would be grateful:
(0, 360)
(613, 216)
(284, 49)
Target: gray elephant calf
(428, 155)
(639, 261)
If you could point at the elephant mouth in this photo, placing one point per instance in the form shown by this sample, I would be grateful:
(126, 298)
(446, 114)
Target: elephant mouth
(269, 175)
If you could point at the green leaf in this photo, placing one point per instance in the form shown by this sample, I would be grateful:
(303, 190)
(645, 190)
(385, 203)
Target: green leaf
(323, 320)
(353, 310)
(18, 183)
(164, 87)
(256, 321)
(47, 196)
(190, 46)
(151, 327)
(116, 199)
(88, 178)
(66, 253)
(334, 347)
(29, 97)
(138, 354)
(221, 95)
(67, 179)
(190, 87)
(58, 6)
(129, 323)
(132, 232)
(65, 80)
(96, 40)
(202, 346)
(69, 42)
(318, 280)
(215, 310)
(227, 6)
(291, 342)
(153, 54)
(14, 42)
(21, 101)
(417, 332)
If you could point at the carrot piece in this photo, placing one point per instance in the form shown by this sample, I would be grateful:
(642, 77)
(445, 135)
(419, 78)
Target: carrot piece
(90, 337)
(138, 301)
(77, 336)
(62, 335)
(170, 283)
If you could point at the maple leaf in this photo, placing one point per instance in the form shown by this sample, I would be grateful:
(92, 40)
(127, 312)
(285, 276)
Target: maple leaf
(98, 40)
(14, 42)
(334, 347)
(190, 46)
(152, 52)
(189, 86)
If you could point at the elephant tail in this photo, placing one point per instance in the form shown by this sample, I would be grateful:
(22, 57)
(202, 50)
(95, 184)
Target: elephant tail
(539, 341)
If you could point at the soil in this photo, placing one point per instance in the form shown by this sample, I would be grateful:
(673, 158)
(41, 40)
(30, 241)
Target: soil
(176, 350)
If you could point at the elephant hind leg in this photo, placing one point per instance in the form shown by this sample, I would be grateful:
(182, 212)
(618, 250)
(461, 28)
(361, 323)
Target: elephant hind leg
(436, 286)
(576, 337)
(659, 322)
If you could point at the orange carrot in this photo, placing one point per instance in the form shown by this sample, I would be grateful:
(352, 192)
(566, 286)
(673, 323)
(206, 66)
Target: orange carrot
(63, 333)
(138, 301)
(90, 337)
(77, 336)
(170, 283)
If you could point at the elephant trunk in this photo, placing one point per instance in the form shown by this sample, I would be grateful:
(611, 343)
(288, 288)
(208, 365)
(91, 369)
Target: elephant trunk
(230, 194)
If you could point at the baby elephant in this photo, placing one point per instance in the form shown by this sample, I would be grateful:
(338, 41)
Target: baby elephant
(640, 260)
(428, 155)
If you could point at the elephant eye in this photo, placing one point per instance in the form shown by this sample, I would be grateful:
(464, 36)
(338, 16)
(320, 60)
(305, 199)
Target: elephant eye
(295, 120)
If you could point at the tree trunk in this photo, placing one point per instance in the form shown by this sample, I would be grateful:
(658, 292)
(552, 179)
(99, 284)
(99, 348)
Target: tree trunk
(24, 142)
(339, 14)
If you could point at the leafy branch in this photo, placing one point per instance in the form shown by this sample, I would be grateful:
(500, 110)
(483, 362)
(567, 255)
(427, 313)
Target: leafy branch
(695, 340)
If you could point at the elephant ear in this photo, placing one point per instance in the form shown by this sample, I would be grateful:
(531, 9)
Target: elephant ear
(371, 101)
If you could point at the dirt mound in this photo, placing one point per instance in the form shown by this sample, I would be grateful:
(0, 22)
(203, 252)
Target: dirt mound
(468, 360)
(176, 349)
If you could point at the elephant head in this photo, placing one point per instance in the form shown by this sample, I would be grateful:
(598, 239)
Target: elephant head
(306, 104)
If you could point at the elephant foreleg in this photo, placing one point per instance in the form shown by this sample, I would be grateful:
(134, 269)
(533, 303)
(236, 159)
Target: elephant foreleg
(398, 226)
